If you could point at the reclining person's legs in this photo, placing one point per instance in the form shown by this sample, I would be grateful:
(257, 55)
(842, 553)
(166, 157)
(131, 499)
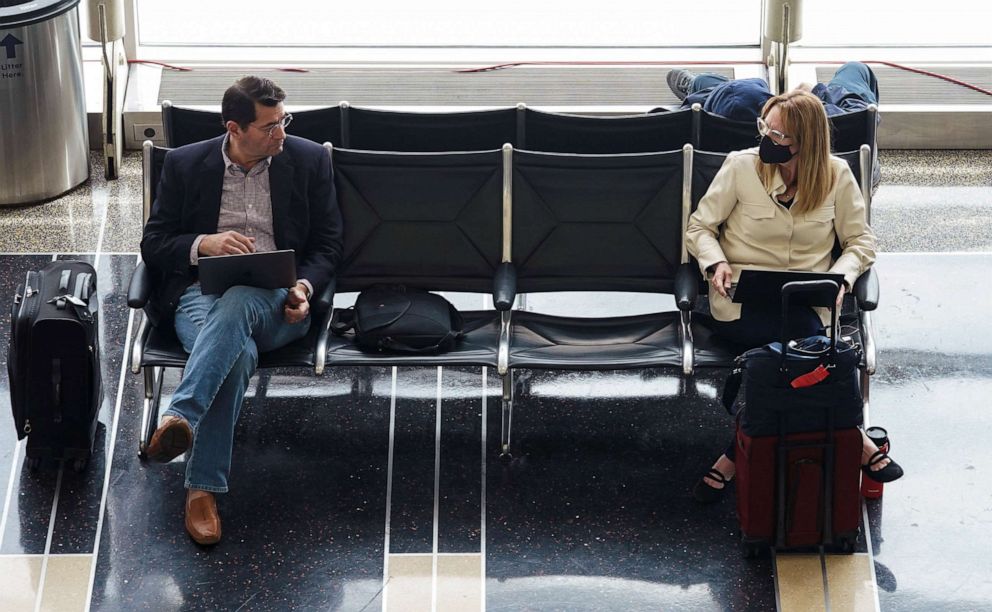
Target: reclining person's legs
(858, 79)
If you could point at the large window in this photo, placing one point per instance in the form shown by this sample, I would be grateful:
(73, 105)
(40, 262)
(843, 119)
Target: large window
(450, 23)
(897, 23)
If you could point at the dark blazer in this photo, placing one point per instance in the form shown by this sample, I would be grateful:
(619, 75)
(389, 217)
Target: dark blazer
(305, 215)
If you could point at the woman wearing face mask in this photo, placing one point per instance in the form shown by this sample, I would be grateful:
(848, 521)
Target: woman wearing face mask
(781, 206)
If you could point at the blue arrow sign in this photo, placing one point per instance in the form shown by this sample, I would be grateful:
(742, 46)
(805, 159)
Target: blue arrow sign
(9, 43)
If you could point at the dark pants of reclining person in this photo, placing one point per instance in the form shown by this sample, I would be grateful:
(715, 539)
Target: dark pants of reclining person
(853, 88)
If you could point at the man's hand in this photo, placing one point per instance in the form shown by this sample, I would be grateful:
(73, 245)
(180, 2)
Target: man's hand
(297, 306)
(840, 296)
(721, 278)
(226, 243)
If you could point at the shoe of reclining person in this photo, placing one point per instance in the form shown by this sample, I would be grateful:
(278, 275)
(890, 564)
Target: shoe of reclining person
(202, 519)
(679, 80)
(173, 437)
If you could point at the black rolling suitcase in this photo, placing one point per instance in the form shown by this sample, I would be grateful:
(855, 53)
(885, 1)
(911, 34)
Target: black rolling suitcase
(53, 363)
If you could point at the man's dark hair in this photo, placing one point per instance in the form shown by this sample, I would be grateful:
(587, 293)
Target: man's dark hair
(239, 100)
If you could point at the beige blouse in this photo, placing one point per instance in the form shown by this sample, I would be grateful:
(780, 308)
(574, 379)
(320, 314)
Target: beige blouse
(742, 223)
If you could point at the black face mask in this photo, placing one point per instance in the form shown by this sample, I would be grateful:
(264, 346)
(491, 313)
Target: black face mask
(772, 153)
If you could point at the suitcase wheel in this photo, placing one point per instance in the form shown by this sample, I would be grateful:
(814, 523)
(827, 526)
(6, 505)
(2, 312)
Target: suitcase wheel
(752, 550)
(847, 546)
(142, 451)
(78, 465)
(33, 463)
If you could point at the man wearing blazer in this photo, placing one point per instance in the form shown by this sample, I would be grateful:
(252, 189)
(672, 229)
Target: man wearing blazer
(254, 189)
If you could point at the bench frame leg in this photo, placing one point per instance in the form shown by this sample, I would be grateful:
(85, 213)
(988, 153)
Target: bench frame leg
(507, 415)
(865, 389)
(153, 376)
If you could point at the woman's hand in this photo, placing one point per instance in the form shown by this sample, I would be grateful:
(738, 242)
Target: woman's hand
(721, 278)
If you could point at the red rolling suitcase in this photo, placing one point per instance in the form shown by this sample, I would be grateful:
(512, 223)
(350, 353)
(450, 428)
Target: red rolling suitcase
(803, 491)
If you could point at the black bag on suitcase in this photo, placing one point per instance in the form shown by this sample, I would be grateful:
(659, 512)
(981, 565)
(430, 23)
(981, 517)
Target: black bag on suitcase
(797, 381)
(53, 362)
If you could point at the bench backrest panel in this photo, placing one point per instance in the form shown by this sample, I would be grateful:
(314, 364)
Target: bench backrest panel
(584, 222)
(184, 126)
(430, 220)
(723, 135)
(376, 130)
(561, 133)
(847, 131)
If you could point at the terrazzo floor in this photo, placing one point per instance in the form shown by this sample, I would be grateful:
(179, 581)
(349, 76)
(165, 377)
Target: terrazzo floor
(380, 488)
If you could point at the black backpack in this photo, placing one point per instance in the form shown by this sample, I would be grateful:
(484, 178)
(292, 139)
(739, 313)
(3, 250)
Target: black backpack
(53, 362)
(400, 319)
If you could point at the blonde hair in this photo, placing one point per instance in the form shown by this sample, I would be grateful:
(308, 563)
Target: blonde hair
(805, 120)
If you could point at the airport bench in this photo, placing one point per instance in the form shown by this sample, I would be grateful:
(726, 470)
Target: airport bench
(507, 222)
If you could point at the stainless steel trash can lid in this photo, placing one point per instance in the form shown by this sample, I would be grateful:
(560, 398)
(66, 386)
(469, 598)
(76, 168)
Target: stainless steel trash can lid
(20, 13)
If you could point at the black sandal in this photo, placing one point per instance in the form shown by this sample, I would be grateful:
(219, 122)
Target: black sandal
(708, 494)
(887, 474)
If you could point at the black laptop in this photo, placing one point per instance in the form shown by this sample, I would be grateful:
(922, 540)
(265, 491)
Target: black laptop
(765, 287)
(268, 270)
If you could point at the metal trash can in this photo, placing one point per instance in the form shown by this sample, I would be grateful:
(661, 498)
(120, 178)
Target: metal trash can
(44, 148)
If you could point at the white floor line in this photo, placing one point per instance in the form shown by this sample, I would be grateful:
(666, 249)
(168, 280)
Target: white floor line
(48, 538)
(778, 590)
(10, 490)
(42, 555)
(866, 416)
(941, 253)
(482, 529)
(871, 555)
(389, 490)
(437, 490)
(826, 582)
(73, 253)
(110, 458)
(103, 229)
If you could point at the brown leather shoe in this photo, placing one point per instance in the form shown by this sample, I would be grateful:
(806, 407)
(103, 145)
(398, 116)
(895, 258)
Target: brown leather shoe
(172, 438)
(202, 520)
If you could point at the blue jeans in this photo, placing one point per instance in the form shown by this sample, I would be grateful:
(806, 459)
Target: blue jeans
(851, 78)
(852, 88)
(223, 336)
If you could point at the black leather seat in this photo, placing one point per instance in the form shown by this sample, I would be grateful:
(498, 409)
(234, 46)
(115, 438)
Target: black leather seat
(721, 135)
(645, 133)
(381, 130)
(572, 343)
(596, 223)
(184, 126)
(423, 220)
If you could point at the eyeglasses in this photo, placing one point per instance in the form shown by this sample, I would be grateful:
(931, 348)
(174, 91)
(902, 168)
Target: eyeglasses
(764, 130)
(271, 128)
